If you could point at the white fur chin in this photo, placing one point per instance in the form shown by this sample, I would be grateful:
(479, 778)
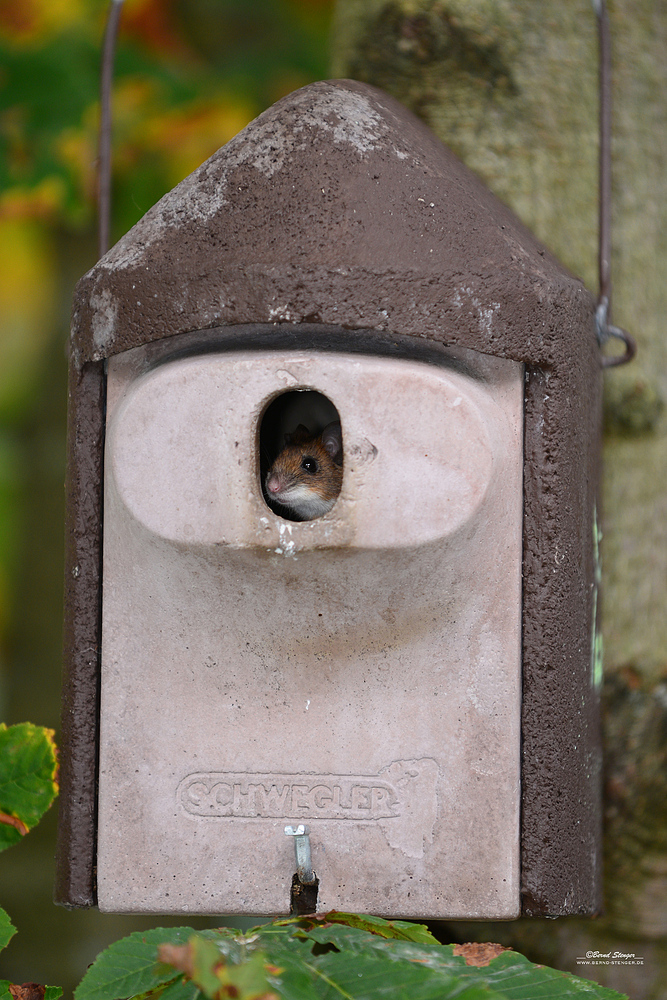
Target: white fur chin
(304, 502)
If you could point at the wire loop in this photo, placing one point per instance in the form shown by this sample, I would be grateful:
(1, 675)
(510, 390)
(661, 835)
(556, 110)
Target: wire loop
(605, 329)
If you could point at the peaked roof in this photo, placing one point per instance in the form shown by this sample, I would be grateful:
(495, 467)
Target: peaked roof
(335, 206)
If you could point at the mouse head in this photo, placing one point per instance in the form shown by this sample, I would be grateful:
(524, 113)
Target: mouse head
(306, 476)
(331, 440)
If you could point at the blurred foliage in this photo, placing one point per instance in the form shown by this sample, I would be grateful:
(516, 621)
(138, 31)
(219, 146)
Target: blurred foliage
(189, 74)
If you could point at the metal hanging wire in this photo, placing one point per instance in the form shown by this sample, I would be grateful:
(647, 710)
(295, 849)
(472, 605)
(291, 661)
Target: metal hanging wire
(605, 329)
(104, 153)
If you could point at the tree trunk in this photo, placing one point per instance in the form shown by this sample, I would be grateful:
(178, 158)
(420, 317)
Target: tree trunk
(511, 86)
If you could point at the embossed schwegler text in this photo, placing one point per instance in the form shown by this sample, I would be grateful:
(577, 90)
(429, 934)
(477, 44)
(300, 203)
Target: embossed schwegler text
(289, 795)
(401, 798)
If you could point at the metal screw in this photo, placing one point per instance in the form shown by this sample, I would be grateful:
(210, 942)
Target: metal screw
(304, 867)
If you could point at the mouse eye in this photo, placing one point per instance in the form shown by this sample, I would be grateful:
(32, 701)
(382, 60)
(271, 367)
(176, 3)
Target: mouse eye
(309, 464)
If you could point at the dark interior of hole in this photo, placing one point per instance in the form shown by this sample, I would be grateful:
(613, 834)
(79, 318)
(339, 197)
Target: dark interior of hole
(282, 416)
(303, 897)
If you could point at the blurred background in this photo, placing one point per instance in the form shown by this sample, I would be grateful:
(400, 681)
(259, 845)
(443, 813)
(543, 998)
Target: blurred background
(189, 74)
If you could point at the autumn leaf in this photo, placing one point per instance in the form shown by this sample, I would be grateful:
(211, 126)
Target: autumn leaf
(28, 786)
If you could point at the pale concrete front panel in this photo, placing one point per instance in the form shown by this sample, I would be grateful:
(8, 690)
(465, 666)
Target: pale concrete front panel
(359, 672)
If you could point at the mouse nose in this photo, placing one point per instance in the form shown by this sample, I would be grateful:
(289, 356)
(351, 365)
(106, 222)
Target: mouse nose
(273, 484)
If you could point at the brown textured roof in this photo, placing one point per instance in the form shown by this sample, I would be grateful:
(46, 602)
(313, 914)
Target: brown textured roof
(335, 206)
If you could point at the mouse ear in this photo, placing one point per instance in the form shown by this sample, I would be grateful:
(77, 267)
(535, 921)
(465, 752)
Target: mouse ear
(332, 440)
(299, 435)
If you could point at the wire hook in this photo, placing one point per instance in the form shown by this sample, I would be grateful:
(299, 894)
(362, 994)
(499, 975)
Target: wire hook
(605, 329)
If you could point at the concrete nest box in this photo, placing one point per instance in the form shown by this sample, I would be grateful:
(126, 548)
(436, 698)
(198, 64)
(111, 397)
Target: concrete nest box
(420, 655)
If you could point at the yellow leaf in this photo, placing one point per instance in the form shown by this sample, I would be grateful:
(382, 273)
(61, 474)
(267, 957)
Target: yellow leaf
(185, 137)
(31, 22)
(44, 201)
(27, 302)
(77, 149)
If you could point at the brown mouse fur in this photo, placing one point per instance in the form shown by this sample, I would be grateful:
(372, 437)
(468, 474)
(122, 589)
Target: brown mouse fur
(306, 476)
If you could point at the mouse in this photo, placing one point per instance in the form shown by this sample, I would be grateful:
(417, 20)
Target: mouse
(306, 476)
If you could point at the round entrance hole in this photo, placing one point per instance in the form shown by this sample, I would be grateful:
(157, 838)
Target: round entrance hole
(300, 455)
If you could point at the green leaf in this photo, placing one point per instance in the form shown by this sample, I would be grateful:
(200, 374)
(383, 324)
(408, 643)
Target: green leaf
(247, 980)
(361, 972)
(50, 992)
(368, 977)
(205, 958)
(296, 980)
(129, 967)
(28, 786)
(7, 929)
(181, 990)
(399, 929)
(341, 952)
(303, 959)
(203, 961)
